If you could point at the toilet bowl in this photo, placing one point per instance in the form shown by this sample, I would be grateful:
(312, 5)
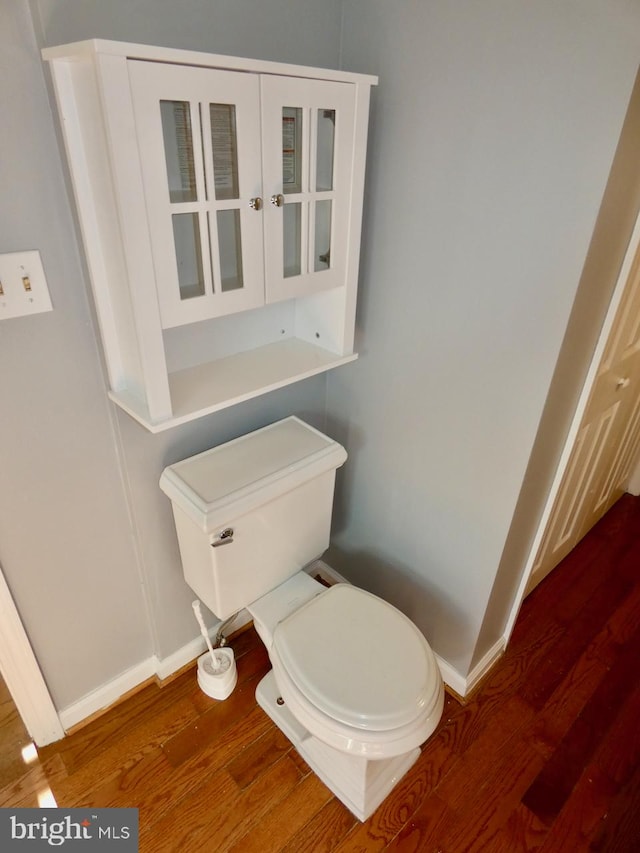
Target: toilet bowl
(354, 684)
(353, 670)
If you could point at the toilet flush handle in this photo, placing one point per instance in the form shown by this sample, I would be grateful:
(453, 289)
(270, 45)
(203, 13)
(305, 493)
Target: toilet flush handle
(225, 537)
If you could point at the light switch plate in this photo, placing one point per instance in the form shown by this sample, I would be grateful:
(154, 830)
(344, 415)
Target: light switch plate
(23, 286)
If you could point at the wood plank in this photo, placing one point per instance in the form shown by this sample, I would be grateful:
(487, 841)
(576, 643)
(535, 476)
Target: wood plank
(155, 786)
(482, 806)
(323, 831)
(618, 753)
(424, 829)
(82, 746)
(522, 658)
(123, 753)
(620, 627)
(522, 831)
(492, 746)
(585, 625)
(211, 725)
(567, 701)
(619, 832)
(286, 818)
(581, 813)
(216, 814)
(34, 781)
(554, 785)
(259, 755)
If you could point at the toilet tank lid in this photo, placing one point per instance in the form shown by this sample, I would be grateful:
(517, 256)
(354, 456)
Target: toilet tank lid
(233, 478)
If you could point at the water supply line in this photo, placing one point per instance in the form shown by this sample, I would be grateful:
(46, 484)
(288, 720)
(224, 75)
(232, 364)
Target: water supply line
(221, 641)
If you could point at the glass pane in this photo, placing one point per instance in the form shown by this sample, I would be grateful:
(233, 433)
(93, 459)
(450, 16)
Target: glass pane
(230, 249)
(178, 150)
(322, 256)
(186, 235)
(291, 149)
(292, 231)
(326, 136)
(225, 150)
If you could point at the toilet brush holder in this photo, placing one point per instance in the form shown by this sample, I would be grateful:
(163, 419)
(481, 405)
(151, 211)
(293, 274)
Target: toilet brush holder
(217, 682)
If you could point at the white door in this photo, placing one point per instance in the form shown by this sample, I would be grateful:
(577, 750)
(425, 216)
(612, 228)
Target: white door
(199, 141)
(308, 133)
(608, 436)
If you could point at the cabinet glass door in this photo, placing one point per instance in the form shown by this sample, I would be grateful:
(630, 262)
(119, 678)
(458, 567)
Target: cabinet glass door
(308, 130)
(198, 133)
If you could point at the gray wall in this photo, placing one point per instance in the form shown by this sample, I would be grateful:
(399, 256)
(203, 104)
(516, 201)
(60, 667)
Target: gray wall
(493, 132)
(65, 540)
(297, 31)
(616, 219)
(87, 542)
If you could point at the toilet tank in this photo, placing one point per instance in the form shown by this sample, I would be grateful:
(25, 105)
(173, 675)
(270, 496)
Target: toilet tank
(251, 513)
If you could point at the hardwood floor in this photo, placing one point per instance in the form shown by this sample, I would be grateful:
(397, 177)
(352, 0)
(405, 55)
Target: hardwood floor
(13, 739)
(543, 757)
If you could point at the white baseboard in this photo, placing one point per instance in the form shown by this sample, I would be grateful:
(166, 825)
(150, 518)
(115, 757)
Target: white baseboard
(485, 663)
(109, 692)
(463, 686)
(451, 676)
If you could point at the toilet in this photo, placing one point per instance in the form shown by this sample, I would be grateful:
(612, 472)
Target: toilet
(354, 684)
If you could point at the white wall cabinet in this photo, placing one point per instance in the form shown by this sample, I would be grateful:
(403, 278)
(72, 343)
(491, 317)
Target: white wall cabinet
(220, 202)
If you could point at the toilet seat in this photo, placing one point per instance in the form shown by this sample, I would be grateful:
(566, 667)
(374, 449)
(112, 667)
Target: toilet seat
(357, 673)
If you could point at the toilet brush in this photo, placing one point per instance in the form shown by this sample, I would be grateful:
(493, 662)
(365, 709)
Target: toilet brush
(217, 674)
(203, 630)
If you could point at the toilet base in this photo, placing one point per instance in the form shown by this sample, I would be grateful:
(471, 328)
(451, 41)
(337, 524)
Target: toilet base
(360, 783)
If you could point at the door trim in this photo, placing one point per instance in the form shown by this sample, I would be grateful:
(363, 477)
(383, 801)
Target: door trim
(23, 676)
(575, 423)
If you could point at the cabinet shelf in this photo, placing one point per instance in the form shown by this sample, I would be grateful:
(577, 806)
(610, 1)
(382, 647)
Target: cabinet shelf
(216, 385)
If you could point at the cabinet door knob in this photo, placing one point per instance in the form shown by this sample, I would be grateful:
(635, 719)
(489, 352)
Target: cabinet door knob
(255, 203)
(225, 537)
(277, 200)
(623, 383)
